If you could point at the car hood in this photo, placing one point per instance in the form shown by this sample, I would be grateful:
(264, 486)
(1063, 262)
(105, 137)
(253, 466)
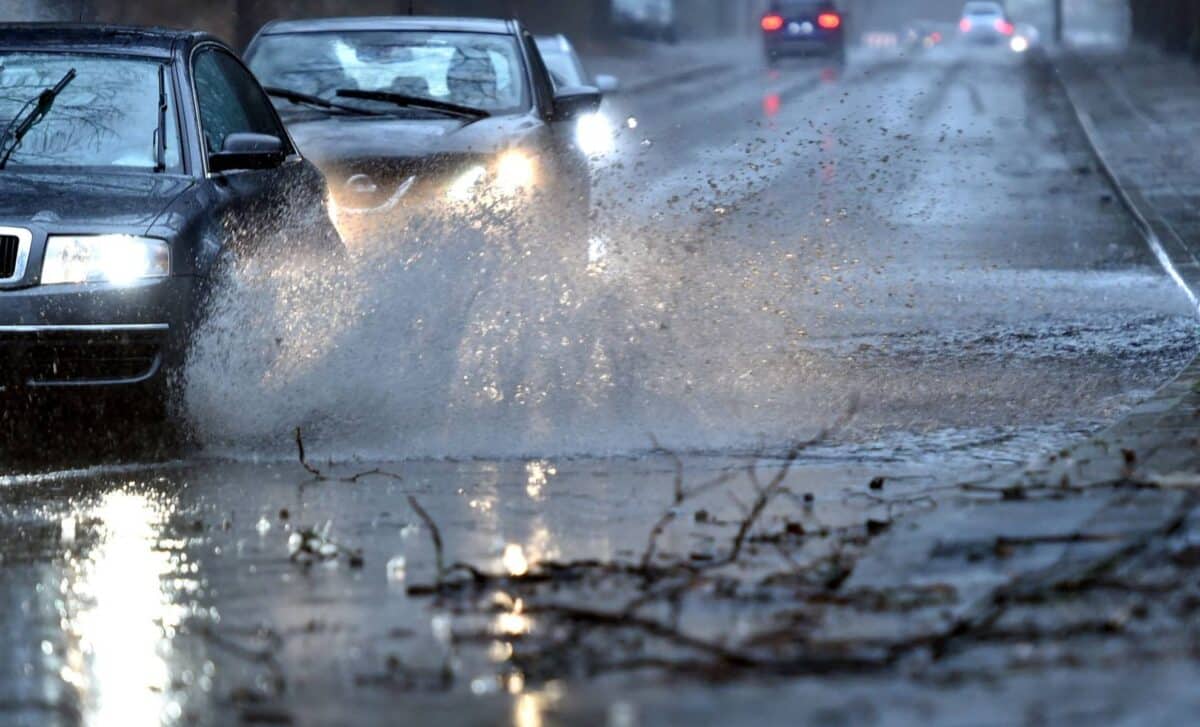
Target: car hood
(88, 200)
(335, 139)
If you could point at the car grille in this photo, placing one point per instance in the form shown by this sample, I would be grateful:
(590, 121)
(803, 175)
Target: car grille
(9, 247)
(72, 359)
(94, 363)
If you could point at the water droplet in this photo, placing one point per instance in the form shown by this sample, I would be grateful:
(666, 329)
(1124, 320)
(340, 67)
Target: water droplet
(396, 569)
(500, 651)
(68, 530)
(264, 525)
(514, 560)
(516, 683)
(442, 627)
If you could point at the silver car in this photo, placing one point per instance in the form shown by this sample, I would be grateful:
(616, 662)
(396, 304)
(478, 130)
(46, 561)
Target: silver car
(986, 23)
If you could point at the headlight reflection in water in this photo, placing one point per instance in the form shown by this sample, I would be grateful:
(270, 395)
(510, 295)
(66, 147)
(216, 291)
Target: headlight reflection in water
(119, 617)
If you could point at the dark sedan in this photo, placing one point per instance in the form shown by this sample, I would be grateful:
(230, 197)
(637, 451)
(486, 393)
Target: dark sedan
(132, 162)
(803, 27)
(415, 114)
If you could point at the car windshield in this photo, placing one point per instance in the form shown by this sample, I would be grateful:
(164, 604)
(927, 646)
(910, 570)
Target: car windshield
(795, 7)
(983, 9)
(107, 116)
(477, 70)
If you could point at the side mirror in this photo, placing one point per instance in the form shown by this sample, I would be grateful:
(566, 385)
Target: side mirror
(607, 83)
(574, 101)
(244, 151)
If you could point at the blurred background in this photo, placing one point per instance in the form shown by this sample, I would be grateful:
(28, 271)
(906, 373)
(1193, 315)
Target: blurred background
(1173, 25)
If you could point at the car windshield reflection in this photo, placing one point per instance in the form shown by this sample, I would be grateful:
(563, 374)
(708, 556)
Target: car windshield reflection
(108, 116)
(475, 70)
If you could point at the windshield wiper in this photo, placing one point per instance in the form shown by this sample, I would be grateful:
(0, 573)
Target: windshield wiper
(160, 134)
(42, 105)
(415, 102)
(308, 99)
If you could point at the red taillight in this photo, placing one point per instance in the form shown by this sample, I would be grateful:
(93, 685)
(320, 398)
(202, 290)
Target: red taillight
(771, 105)
(829, 21)
(1005, 27)
(965, 25)
(772, 23)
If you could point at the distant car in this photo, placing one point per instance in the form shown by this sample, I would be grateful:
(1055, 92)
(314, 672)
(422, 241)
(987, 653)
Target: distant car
(926, 34)
(133, 163)
(986, 23)
(410, 114)
(803, 27)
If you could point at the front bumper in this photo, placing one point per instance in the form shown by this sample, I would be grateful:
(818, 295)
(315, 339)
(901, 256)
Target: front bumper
(94, 335)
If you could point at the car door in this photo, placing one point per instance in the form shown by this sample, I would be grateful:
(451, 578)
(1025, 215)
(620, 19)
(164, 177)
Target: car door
(283, 206)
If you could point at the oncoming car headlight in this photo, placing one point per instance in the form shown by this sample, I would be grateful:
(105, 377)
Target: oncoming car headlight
(117, 259)
(513, 173)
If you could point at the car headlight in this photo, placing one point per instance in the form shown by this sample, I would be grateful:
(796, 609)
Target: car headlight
(118, 259)
(594, 135)
(515, 171)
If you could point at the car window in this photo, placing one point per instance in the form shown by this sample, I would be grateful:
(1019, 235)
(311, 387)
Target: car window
(796, 7)
(230, 100)
(983, 9)
(564, 69)
(480, 70)
(106, 117)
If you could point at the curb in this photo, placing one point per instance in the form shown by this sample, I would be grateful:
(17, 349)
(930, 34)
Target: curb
(1145, 216)
(1113, 452)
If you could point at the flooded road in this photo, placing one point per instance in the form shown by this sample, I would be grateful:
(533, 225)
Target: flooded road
(921, 241)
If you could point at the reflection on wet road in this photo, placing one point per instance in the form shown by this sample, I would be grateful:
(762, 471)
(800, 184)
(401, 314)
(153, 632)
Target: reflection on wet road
(171, 594)
(923, 235)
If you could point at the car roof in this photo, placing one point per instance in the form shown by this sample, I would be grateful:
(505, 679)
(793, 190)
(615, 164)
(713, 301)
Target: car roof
(401, 22)
(155, 42)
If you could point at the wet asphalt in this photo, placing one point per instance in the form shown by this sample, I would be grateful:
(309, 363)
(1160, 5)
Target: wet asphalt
(922, 240)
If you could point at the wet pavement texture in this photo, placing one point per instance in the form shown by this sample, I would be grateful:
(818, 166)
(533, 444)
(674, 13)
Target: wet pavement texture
(912, 261)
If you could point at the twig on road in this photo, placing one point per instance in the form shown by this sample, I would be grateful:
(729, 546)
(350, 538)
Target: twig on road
(435, 535)
(322, 477)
